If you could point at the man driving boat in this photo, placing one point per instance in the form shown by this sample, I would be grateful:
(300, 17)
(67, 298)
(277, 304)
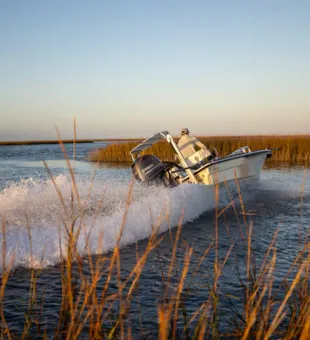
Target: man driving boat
(189, 145)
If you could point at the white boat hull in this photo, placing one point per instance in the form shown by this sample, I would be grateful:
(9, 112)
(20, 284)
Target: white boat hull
(226, 169)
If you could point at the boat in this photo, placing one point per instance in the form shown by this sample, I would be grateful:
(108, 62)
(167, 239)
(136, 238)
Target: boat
(202, 167)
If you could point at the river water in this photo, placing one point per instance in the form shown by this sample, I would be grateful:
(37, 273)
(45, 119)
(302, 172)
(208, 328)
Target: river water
(279, 201)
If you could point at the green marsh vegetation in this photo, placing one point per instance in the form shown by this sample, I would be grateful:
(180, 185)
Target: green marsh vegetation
(292, 148)
(87, 301)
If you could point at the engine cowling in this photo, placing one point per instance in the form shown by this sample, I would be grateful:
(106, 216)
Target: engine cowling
(150, 170)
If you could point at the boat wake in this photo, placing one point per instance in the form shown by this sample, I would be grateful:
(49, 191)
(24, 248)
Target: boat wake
(32, 209)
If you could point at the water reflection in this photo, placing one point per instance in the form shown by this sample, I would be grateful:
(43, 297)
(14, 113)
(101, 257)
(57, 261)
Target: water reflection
(113, 164)
(271, 164)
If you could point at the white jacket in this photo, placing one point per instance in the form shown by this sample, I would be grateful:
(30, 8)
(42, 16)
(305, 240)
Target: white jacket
(187, 145)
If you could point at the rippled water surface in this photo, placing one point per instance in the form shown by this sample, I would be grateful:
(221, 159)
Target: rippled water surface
(279, 201)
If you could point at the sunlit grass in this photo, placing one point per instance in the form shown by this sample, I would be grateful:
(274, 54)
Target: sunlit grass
(292, 148)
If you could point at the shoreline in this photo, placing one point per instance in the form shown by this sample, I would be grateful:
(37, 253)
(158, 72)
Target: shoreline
(95, 140)
(64, 141)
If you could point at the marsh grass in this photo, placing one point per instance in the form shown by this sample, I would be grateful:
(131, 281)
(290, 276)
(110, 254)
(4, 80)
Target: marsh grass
(86, 309)
(291, 148)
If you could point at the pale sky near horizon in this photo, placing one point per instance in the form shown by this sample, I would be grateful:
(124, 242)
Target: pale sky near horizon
(132, 68)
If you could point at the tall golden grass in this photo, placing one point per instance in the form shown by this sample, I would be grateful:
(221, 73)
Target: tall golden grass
(86, 309)
(292, 148)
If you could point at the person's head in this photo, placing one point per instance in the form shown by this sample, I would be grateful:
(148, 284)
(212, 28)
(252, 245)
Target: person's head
(185, 131)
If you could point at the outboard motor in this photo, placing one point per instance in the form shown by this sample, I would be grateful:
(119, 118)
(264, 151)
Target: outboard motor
(149, 170)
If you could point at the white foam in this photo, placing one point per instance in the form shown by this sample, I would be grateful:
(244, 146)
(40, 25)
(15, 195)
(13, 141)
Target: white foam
(36, 202)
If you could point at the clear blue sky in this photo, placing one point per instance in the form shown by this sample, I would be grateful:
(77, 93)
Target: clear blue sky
(131, 68)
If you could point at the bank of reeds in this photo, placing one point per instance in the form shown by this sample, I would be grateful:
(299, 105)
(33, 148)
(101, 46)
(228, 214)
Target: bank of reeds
(291, 148)
(87, 301)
